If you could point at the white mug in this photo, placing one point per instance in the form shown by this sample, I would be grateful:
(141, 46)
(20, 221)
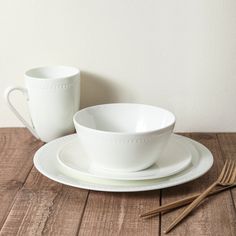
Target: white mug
(53, 95)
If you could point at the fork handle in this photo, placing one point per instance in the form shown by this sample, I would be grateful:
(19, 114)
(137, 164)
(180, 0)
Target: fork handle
(190, 207)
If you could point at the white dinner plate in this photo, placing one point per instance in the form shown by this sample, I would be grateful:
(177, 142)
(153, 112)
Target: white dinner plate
(73, 160)
(45, 160)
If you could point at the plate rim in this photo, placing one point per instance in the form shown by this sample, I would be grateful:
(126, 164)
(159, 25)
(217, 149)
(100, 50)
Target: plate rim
(108, 188)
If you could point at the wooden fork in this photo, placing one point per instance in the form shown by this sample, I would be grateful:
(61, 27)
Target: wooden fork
(182, 202)
(226, 177)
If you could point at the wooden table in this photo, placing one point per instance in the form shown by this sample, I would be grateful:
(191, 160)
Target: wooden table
(31, 204)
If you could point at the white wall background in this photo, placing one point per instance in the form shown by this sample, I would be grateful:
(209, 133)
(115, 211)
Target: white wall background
(180, 55)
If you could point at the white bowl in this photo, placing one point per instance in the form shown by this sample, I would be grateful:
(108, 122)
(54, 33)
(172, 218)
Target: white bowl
(123, 136)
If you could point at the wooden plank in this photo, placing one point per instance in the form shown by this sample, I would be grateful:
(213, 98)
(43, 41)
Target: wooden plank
(228, 148)
(40, 206)
(17, 147)
(44, 207)
(118, 214)
(213, 217)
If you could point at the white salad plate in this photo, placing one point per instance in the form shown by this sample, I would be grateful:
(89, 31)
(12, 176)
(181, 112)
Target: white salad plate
(45, 160)
(74, 161)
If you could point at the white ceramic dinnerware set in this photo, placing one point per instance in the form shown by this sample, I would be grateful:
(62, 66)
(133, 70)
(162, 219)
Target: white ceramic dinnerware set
(119, 147)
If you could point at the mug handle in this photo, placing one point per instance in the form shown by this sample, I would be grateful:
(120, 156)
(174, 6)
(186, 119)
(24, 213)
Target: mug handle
(18, 115)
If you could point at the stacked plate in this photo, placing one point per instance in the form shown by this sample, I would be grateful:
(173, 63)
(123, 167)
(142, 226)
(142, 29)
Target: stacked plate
(108, 154)
(64, 160)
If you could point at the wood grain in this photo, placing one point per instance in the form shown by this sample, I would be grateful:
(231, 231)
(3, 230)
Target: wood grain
(213, 217)
(118, 214)
(31, 204)
(228, 149)
(17, 147)
(44, 207)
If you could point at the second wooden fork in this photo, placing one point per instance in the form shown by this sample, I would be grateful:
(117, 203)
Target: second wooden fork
(226, 177)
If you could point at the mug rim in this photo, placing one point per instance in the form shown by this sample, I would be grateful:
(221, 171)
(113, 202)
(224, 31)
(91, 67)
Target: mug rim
(71, 71)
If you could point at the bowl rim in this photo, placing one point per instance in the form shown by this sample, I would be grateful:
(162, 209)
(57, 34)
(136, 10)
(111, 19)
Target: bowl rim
(159, 131)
